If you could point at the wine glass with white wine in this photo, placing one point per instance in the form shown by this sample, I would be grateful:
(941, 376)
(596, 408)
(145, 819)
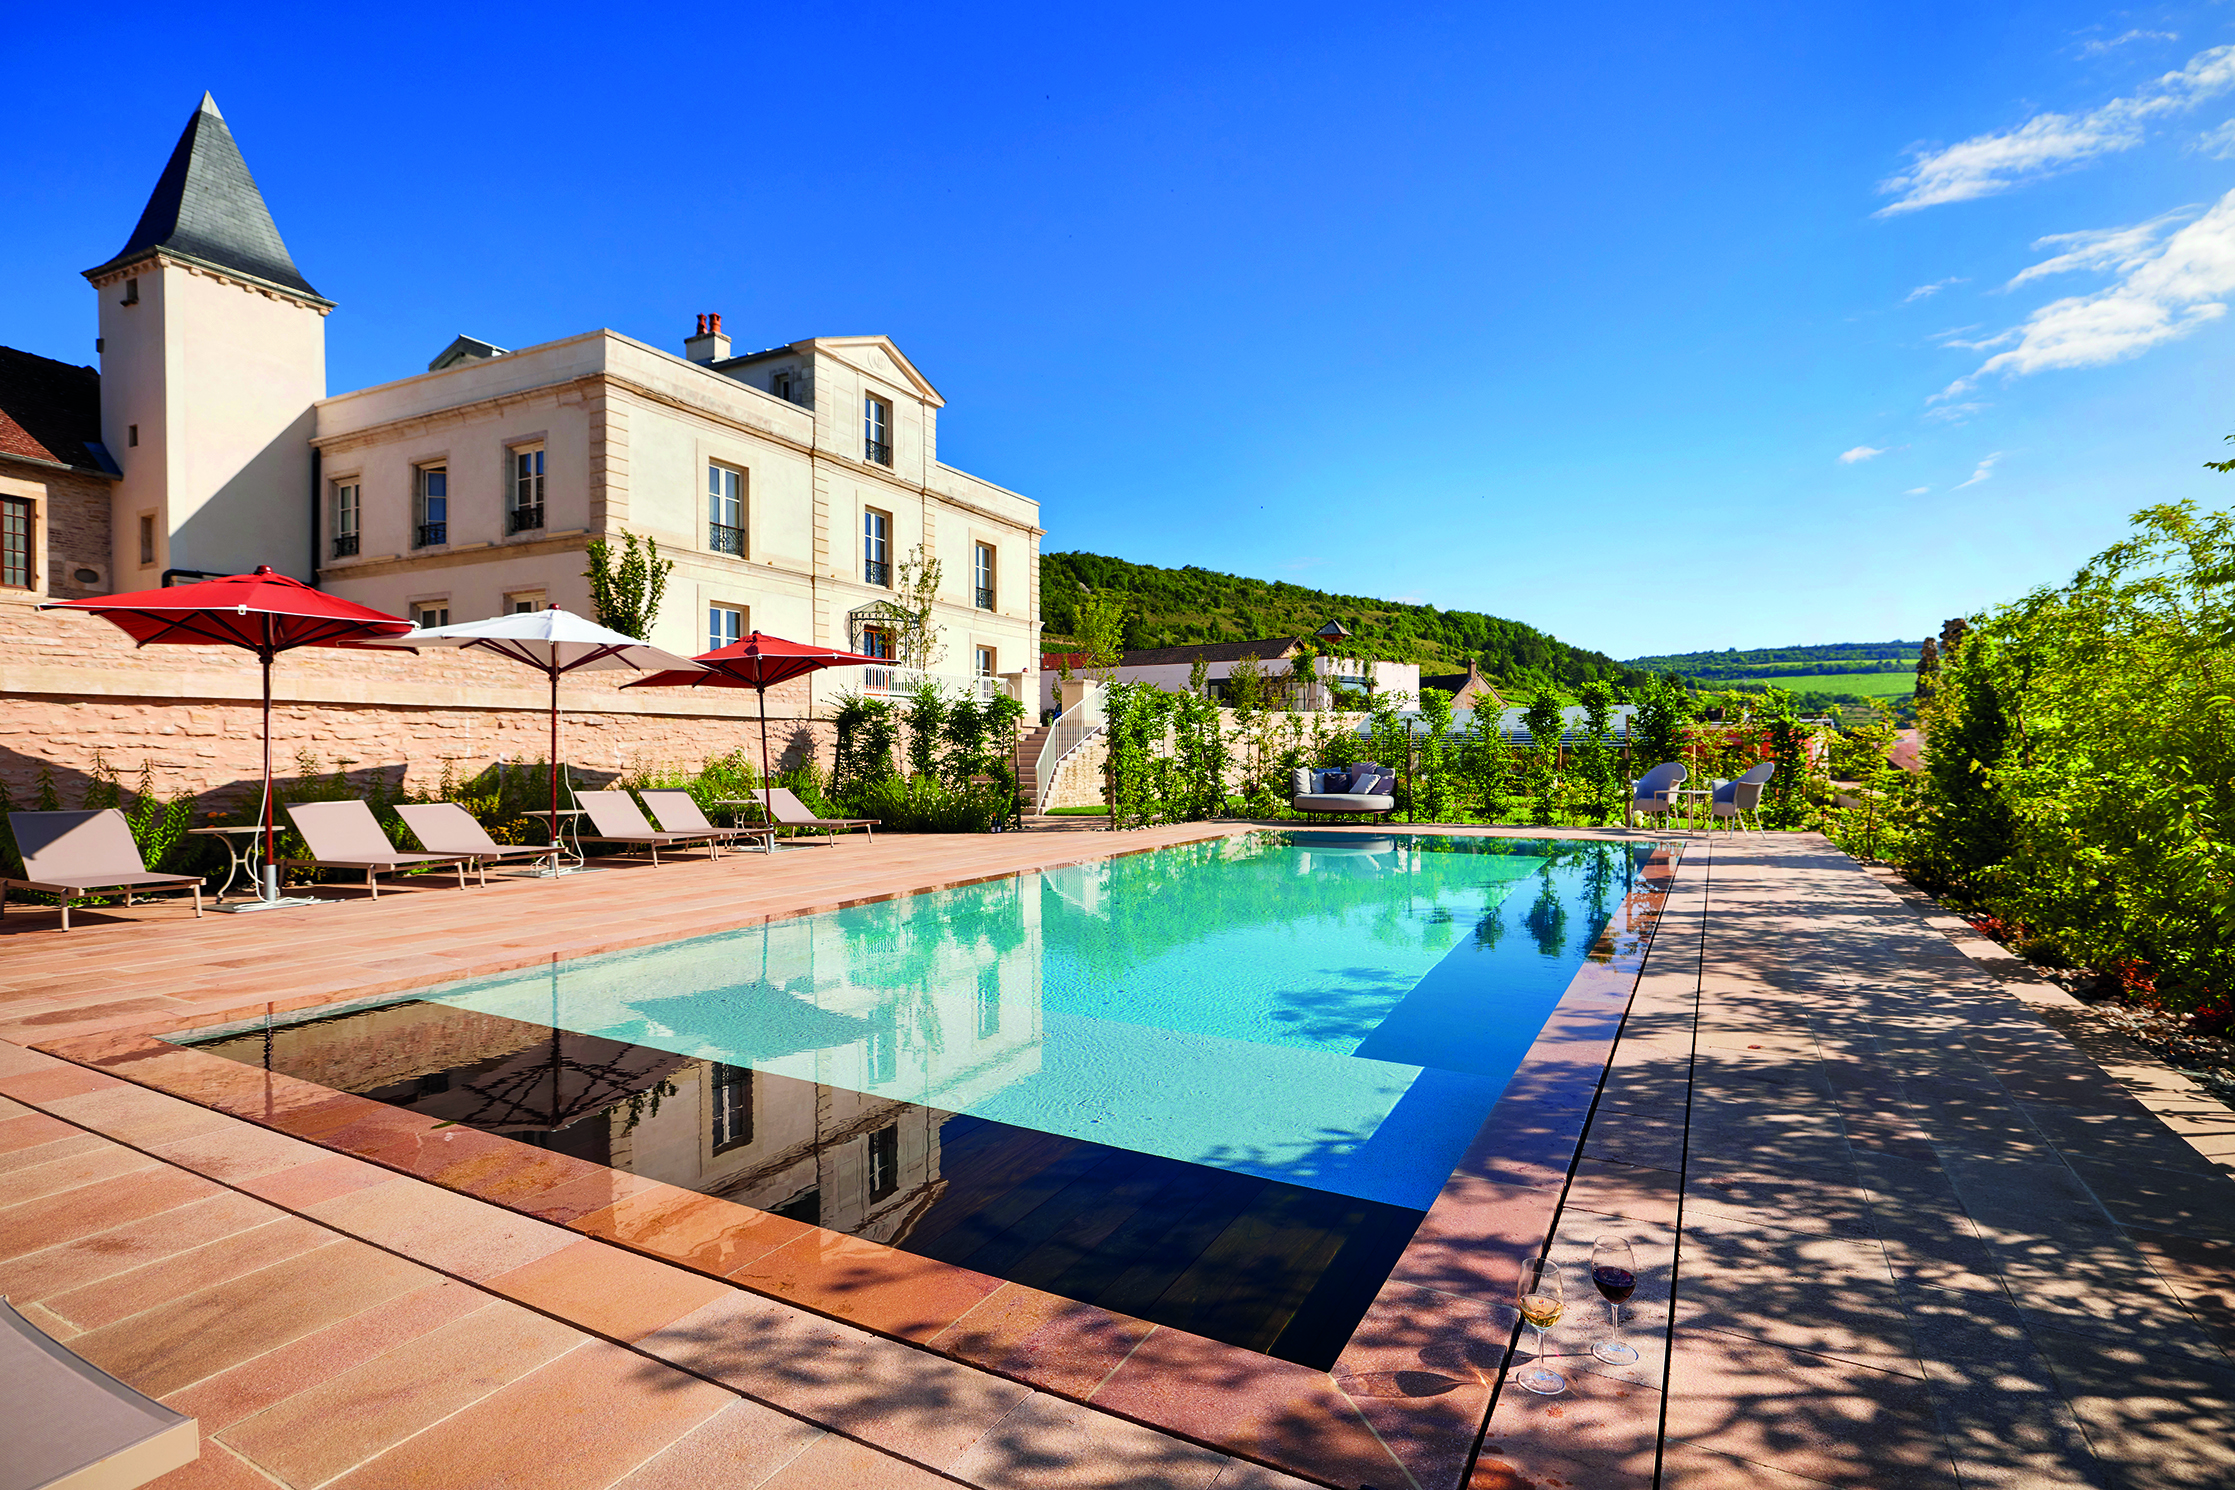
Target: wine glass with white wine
(1614, 1274)
(1541, 1300)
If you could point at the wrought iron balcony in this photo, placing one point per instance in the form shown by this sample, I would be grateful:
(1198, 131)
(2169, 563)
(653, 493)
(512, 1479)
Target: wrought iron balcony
(431, 535)
(985, 597)
(345, 545)
(724, 539)
(877, 451)
(524, 519)
(876, 572)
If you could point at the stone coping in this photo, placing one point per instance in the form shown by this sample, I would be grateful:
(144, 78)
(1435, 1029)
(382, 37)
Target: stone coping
(1405, 1402)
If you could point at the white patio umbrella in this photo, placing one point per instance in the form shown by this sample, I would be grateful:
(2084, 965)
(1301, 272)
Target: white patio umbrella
(553, 642)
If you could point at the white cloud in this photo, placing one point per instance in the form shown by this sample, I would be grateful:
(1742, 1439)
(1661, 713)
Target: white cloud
(1986, 164)
(2101, 248)
(2098, 47)
(1859, 453)
(1985, 471)
(1947, 413)
(1916, 491)
(1926, 292)
(1956, 338)
(2166, 293)
(2217, 143)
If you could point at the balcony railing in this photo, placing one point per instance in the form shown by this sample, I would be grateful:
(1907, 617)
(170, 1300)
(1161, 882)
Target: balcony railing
(524, 519)
(876, 572)
(877, 451)
(432, 534)
(345, 545)
(724, 539)
(985, 597)
(886, 680)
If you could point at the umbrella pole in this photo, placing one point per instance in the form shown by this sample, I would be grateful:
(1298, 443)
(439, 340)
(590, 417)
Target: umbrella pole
(269, 890)
(554, 758)
(762, 694)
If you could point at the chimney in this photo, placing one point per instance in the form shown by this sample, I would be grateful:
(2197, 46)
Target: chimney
(710, 345)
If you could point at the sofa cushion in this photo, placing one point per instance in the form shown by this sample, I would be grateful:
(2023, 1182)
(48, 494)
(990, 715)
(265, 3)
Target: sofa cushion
(1375, 786)
(1300, 782)
(1334, 783)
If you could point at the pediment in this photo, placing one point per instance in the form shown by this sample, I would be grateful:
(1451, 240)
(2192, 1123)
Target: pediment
(877, 356)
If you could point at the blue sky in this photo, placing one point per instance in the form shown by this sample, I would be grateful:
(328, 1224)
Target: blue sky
(1656, 329)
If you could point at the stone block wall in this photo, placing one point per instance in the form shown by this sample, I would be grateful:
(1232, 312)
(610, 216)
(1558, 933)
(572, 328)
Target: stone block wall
(74, 691)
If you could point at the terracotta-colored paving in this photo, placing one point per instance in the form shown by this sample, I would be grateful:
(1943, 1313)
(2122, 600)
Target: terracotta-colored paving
(1817, 1122)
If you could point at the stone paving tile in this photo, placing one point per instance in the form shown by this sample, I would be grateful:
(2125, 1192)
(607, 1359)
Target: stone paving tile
(104, 1254)
(325, 1430)
(2158, 1419)
(69, 1172)
(916, 1405)
(55, 1219)
(1828, 1296)
(833, 1463)
(739, 1448)
(577, 1423)
(458, 1235)
(606, 1290)
(122, 1295)
(1047, 1443)
(200, 1334)
(1995, 1394)
(2201, 1274)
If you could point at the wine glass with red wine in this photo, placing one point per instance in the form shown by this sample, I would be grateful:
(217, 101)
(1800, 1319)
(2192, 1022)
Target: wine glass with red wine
(1614, 1274)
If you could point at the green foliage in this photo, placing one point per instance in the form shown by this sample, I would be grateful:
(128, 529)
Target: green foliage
(1833, 659)
(1099, 625)
(927, 721)
(925, 804)
(1540, 762)
(866, 734)
(1657, 728)
(961, 757)
(626, 596)
(1167, 756)
(918, 643)
(1786, 742)
(2081, 761)
(1596, 759)
(158, 826)
(1432, 785)
(1170, 607)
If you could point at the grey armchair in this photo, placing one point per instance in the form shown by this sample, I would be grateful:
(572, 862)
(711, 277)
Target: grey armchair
(1654, 793)
(1734, 799)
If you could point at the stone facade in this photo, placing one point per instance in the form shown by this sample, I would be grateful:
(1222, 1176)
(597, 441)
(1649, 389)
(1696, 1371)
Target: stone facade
(70, 517)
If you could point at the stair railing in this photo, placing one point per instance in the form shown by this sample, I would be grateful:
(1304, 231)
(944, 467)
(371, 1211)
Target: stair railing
(1073, 728)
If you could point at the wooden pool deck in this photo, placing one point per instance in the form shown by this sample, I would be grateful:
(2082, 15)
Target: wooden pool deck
(1913, 1234)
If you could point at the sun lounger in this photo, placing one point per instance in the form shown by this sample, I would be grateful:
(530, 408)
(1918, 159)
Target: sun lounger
(618, 819)
(75, 854)
(67, 1424)
(447, 828)
(787, 811)
(679, 812)
(346, 835)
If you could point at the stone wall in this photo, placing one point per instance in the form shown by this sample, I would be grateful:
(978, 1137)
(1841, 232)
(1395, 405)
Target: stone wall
(74, 691)
(73, 518)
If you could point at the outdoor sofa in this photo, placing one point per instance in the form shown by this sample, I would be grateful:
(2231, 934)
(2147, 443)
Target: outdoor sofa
(1364, 787)
(77, 854)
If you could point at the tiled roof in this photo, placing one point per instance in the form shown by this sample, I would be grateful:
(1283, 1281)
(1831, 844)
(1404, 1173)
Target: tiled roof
(207, 208)
(50, 410)
(1265, 649)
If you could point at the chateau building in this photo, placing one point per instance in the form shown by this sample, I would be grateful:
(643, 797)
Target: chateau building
(789, 486)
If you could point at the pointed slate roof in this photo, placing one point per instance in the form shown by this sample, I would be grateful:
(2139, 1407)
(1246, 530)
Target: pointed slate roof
(206, 208)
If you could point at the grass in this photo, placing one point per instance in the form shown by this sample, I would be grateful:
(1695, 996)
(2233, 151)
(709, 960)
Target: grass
(1864, 685)
(1097, 810)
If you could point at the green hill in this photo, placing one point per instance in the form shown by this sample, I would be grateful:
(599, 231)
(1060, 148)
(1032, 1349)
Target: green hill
(1171, 607)
(1769, 662)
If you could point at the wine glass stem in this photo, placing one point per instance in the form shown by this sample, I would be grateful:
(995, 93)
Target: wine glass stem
(1614, 1320)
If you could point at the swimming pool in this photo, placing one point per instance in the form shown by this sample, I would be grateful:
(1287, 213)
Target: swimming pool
(1213, 1086)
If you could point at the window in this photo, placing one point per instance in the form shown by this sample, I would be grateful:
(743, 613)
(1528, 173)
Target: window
(876, 431)
(884, 1051)
(524, 602)
(884, 1162)
(132, 435)
(730, 1093)
(435, 613)
(433, 504)
(725, 510)
(989, 1002)
(15, 542)
(876, 641)
(526, 512)
(724, 624)
(983, 570)
(985, 662)
(876, 547)
(348, 512)
(147, 539)
(781, 386)
(131, 292)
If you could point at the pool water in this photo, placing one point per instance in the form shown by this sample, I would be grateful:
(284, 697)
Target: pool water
(1214, 1085)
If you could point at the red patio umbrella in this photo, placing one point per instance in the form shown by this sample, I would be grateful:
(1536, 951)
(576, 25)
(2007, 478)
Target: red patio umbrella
(266, 613)
(758, 661)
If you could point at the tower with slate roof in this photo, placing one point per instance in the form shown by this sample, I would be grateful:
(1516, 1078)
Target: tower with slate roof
(213, 351)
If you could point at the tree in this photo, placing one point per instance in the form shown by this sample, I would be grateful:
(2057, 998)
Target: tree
(1098, 622)
(625, 597)
(1928, 669)
(919, 643)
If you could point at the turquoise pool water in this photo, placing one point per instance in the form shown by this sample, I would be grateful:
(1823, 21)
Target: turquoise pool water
(1322, 1010)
